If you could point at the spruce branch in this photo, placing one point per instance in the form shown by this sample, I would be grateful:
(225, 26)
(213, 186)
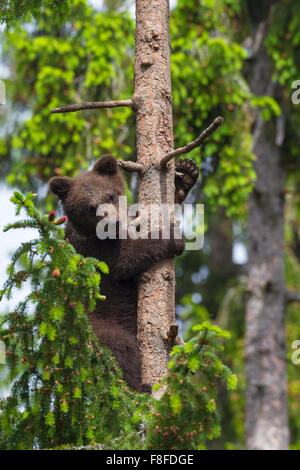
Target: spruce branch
(194, 144)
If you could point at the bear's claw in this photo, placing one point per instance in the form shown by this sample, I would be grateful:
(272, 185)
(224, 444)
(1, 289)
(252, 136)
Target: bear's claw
(186, 177)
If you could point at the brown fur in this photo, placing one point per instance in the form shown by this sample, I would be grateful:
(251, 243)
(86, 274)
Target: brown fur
(114, 321)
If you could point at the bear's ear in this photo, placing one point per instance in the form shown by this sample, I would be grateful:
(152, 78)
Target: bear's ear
(60, 186)
(106, 165)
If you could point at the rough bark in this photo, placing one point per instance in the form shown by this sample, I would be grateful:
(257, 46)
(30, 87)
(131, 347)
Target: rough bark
(266, 393)
(153, 99)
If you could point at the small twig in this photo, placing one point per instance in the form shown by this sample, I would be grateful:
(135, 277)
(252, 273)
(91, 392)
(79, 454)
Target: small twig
(131, 167)
(292, 296)
(192, 145)
(71, 108)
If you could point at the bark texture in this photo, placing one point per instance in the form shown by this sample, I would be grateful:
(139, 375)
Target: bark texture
(153, 102)
(266, 394)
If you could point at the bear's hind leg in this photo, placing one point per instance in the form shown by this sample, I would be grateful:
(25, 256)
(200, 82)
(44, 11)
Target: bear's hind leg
(124, 347)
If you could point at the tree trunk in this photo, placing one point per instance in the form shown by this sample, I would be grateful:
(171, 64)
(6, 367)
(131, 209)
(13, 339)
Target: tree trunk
(153, 100)
(266, 393)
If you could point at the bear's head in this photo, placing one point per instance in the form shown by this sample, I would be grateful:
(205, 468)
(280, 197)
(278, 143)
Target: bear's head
(82, 196)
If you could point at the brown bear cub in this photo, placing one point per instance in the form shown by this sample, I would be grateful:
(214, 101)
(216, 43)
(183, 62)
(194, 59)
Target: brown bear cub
(114, 320)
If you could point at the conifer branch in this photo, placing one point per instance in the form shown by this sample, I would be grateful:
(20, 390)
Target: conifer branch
(71, 108)
(192, 145)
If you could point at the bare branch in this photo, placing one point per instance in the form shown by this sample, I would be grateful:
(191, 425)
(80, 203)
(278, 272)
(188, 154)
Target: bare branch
(292, 296)
(192, 145)
(131, 167)
(71, 108)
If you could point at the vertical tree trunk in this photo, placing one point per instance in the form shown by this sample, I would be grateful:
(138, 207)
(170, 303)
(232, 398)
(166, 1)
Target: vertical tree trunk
(153, 101)
(266, 394)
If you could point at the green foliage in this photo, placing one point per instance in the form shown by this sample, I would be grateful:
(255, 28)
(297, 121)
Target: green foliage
(25, 10)
(185, 417)
(208, 81)
(269, 107)
(283, 45)
(65, 387)
(284, 42)
(89, 58)
(192, 314)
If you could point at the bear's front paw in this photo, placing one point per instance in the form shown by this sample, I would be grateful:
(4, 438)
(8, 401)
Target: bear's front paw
(187, 173)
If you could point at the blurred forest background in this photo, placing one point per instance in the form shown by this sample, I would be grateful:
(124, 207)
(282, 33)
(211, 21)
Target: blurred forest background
(216, 49)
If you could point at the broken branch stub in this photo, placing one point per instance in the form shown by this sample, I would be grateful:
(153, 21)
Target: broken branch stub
(131, 167)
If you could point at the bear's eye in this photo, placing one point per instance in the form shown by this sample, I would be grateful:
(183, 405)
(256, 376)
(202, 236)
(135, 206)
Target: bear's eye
(112, 198)
(91, 210)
